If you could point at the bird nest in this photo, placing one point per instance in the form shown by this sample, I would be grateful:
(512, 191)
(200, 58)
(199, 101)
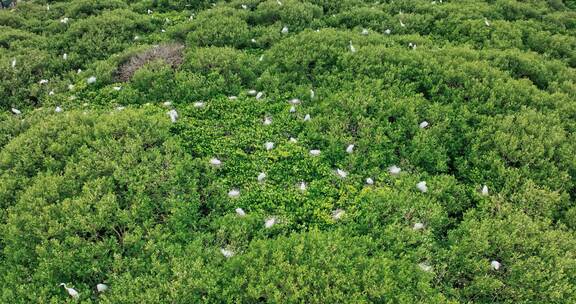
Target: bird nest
(171, 54)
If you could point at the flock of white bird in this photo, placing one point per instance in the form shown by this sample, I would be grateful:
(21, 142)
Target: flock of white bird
(302, 186)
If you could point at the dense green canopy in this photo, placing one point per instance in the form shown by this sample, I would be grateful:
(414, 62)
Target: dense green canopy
(473, 101)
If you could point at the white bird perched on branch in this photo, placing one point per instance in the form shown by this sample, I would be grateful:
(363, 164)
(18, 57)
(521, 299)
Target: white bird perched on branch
(307, 117)
(292, 109)
(71, 291)
(394, 170)
(294, 101)
(424, 125)
(64, 20)
(252, 92)
(350, 149)
(244, 6)
(16, 111)
(199, 104)
(284, 30)
(233, 97)
(302, 186)
(118, 88)
(167, 103)
(261, 58)
(425, 267)
(341, 173)
(352, 48)
(495, 265)
(422, 187)
(337, 214)
(13, 63)
(484, 191)
(65, 56)
(267, 121)
(234, 193)
(486, 22)
(227, 253)
(240, 212)
(261, 177)
(387, 31)
(369, 181)
(269, 145)
(43, 81)
(314, 152)
(293, 140)
(58, 109)
(173, 115)
(259, 95)
(271, 221)
(418, 226)
(91, 80)
(101, 287)
(149, 11)
(365, 32)
(402, 24)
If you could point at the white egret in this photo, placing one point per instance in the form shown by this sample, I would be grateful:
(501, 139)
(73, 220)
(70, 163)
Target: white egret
(495, 265)
(314, 152)
(292, 109)
(279, 2)
(350, 149)
(227, 253)
(65, 56)
(120, 108)
(293, 140)
(244, 6)
(302, 186)
(16, 111)
(43, 81)
(486, 22)
(136, 37)
(387, 32)
(294, 101)
(117, 88)
(352, 48)
(240, 212)
(484, 190)
(71, 291)
(402, 24)
(312, 94)
(234, 193)
(284, 30)
(50, 93)
(91, 80)
(261, 58)
(337, 214)
(269, 222)
(422, 187)
(70, 87)
(269, 145)
(267, 121)
(78, 71)
(394, 170)
(341, 173)
(261, 177)
(198, 104)
(307, 117)
(418, 226)
(425, 267)
(233, 97)
(365, 32)
(215, 162)
(369, 181)
(13, 63)
(100, 287)
(149, 11)
(259, 95)
(424, 125)
(173, 115)
(167, 103)
(58, 109)
(253, 40)
(252, 92)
